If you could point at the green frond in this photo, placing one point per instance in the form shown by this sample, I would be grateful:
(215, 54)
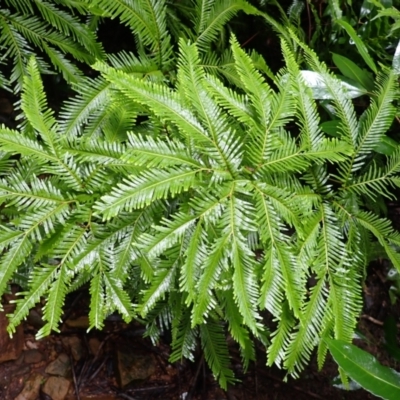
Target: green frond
(35, 195)
(170, 231)
(211, 16)
(147, 19)
(348, 126)
(41, 279)
(34, 105)
(70, 26)
(91, 102)
(258, 90)
(184, 337)
(158, 153)
(289, 157)
(239, 332)
(39, 223)
(216, 353)
(377, 119)
(161, 284)
(97, 312)
(195, 256)
(301, 343)
(234, 103)
(375, 182)
(161, 100)
(117, 298)
(145, 189)
(13, 258)
(55, 300)
(15, 142)
(213, 265)
(276, 351)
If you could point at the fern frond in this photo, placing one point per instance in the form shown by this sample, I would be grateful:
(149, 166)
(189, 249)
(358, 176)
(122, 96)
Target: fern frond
(184, 337)
(117, 298)
(301, 342)
(97, 312)
(34, 105)
(70, 26)
(158, 153)
(215, 349)
(211, 16)
(41, 279)
(93, 97)
(276, 351)
(53, 309)
(161, 284)
(377, 119)
(239, 333)
(147, 19)
(145, 189)
(13, 258)
(213, 265)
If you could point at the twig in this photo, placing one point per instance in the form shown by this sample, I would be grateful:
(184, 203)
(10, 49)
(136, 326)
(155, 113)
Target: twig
(98, 369)
(194, 381)
(250, 39)
(374, 320)
(150, 388)
(299, 389)
(309, 21)
(82, 372)
(125, 396)
(74, 378)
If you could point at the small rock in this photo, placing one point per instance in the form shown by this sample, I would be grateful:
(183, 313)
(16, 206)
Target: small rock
(80, 323)
(31, 388)
(35, 319)
(75, 346)
(94, 346)
(60, 366)
(11, 348)
(56, 387)
(32, 345)
(32, 356)
(131, 366)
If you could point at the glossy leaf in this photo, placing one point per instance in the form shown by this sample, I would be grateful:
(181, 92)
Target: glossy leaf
(387, 146)
(315, 81)
(364, 369)
(362, 48)
(351, 70)
(396, 59)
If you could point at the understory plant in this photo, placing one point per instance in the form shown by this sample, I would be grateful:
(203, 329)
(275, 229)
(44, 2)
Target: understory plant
(222, 209)
(53, 32)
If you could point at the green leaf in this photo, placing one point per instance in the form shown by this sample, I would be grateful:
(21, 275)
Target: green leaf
(362, 48)
(351, 70)
(320, 90)
(396, 60)
(386, 146)
(364, 369)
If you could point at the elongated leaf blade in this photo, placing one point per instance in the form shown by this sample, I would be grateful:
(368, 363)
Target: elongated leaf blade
(363, 368)
(362, 48)
(351, 70)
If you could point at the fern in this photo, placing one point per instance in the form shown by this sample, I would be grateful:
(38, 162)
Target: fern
(40, 25)
(185, 188)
